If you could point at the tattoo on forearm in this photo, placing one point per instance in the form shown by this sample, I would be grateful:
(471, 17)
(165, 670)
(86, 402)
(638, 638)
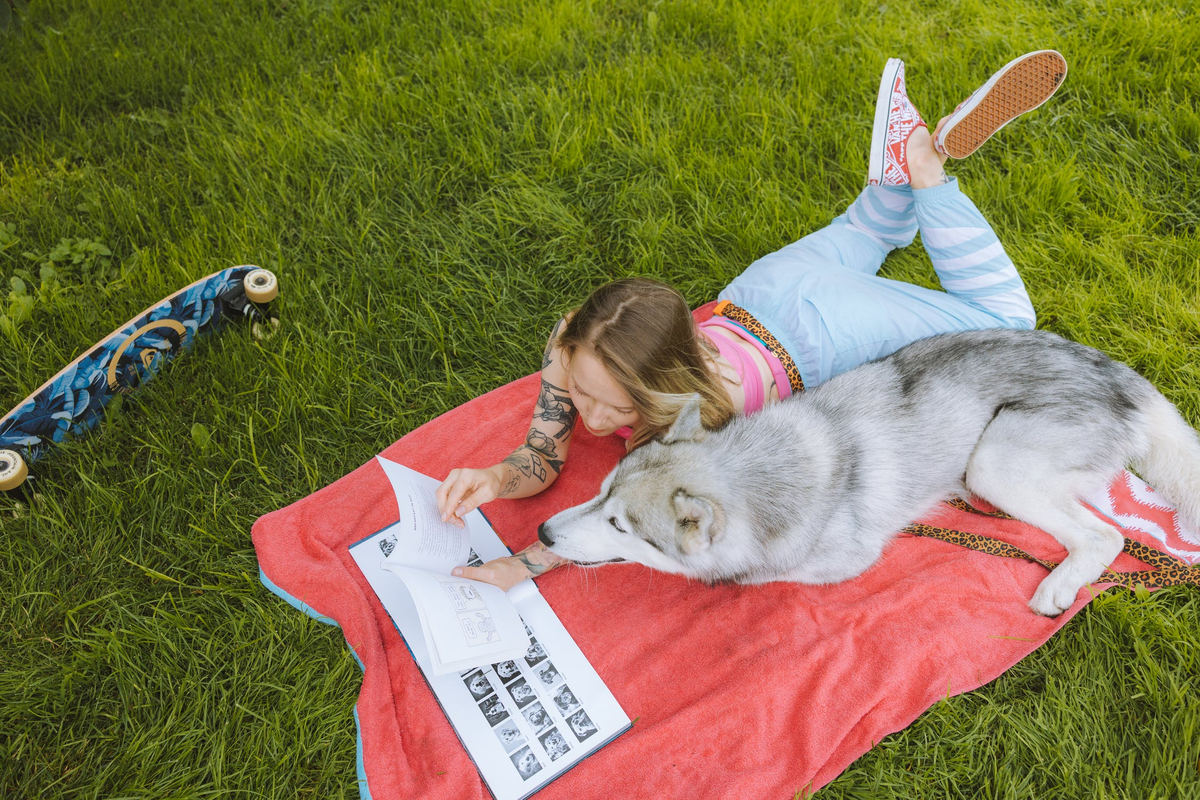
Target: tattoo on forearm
(530, 464)
(513, 483)
(541, 443)
(537, 559)
(520, 463)
(945, 178)
(535, 569)
(536, 467)
(554, 405)
(550, 344)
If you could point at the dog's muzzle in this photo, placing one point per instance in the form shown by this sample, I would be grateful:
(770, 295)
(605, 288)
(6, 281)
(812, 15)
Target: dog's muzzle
(545, 539)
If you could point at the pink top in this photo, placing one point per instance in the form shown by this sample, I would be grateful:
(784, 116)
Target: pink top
(745, 367)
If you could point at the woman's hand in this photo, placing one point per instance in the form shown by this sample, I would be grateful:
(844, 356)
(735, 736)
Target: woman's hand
(464, 490)
(504, 572)
(507, 572)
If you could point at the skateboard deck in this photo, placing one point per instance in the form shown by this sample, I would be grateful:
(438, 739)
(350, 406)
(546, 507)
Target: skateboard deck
(74, 400)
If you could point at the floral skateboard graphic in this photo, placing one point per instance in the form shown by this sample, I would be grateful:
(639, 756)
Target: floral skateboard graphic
(74, 400)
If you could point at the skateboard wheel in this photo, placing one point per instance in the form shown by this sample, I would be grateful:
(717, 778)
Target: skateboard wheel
(13, 470)
(261, 286)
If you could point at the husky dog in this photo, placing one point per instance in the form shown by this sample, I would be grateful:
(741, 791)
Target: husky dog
(811, 489)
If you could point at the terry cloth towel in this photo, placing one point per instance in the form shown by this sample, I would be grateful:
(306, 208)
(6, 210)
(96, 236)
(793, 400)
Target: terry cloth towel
(736, 691)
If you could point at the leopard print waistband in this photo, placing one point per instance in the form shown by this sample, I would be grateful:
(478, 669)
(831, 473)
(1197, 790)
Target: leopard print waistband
(744, 318)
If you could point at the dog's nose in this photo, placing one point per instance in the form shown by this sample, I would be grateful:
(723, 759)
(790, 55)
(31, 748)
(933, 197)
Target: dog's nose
(544, 537)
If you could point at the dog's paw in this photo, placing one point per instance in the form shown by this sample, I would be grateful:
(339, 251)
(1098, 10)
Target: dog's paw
(1054, 596)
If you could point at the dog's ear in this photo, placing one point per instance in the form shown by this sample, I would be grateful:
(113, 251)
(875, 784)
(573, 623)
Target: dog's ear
(697, 521)
(687, 427)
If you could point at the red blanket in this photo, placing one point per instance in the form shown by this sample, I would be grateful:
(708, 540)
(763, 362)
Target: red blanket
(735, 691)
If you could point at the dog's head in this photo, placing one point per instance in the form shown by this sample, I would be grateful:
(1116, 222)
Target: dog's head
(650, 509)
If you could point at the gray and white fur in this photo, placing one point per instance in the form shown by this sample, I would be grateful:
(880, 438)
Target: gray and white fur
(811, 489)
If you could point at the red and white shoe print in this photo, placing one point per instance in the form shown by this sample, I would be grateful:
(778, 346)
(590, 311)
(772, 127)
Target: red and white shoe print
(895, 120)
(1019, 86)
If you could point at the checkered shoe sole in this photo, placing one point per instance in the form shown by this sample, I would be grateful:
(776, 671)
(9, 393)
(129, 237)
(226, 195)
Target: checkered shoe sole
(1023, 86)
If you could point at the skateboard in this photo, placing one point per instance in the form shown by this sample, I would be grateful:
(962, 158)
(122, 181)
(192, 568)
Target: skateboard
(74, 400)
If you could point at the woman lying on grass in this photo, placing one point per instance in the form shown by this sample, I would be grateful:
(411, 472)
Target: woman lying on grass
(628, 359)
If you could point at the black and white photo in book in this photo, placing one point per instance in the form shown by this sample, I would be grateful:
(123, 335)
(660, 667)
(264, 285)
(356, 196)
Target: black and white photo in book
(494, 710)
(522, 692)
(478, 684)
(524, 717)
(387, 545)
(510, 736)
(581, 725)
(507, 670)
(565, 701)
(538, 717)
(527, 763)
(535, 654)
(547, 674)
(554, 744)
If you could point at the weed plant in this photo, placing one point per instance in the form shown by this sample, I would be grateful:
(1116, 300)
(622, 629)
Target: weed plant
(434, 183)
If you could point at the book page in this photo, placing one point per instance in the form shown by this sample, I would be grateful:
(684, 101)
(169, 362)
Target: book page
(422, 540)
(466, 622)
(525, 720)
(550, 708)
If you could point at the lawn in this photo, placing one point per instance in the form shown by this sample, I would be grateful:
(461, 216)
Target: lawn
(434, 183)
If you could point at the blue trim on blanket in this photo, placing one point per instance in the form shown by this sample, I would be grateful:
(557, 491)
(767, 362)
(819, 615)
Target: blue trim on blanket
(364, 791)
(296, 602)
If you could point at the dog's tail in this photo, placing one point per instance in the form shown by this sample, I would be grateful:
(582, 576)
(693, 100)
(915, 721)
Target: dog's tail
(1172, 464)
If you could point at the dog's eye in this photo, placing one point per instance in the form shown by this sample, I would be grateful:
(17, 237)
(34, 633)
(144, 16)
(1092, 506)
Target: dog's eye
(613, 521)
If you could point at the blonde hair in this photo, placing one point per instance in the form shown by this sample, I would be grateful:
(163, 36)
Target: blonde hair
(644, 335)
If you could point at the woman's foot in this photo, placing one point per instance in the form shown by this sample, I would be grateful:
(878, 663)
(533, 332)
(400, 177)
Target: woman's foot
(925, 163)
(896, 119)
(1019, 86)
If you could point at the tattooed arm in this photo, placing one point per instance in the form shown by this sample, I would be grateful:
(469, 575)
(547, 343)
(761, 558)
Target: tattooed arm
(509, 571)
(533, 466)
(530, 469)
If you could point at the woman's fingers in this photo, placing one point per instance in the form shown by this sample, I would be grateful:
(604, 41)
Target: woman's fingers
(443, 492)
(480, 493)
(484, 574)
(504, 572)
(458, 484)
(463, 491)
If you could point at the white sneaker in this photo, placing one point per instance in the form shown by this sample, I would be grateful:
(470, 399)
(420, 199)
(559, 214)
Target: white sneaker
(1021, 85)
(895, 120)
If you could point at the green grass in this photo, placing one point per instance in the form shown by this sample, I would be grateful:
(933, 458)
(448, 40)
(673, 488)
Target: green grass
(434, 182)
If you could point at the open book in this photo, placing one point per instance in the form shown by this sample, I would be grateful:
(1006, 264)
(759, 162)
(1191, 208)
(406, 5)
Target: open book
(519, 693)
(465, 623)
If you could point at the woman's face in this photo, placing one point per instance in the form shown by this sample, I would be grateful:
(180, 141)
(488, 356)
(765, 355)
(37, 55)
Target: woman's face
(602, 404)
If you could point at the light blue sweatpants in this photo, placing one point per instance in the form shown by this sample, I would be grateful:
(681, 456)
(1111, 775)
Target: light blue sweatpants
(822, 300)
